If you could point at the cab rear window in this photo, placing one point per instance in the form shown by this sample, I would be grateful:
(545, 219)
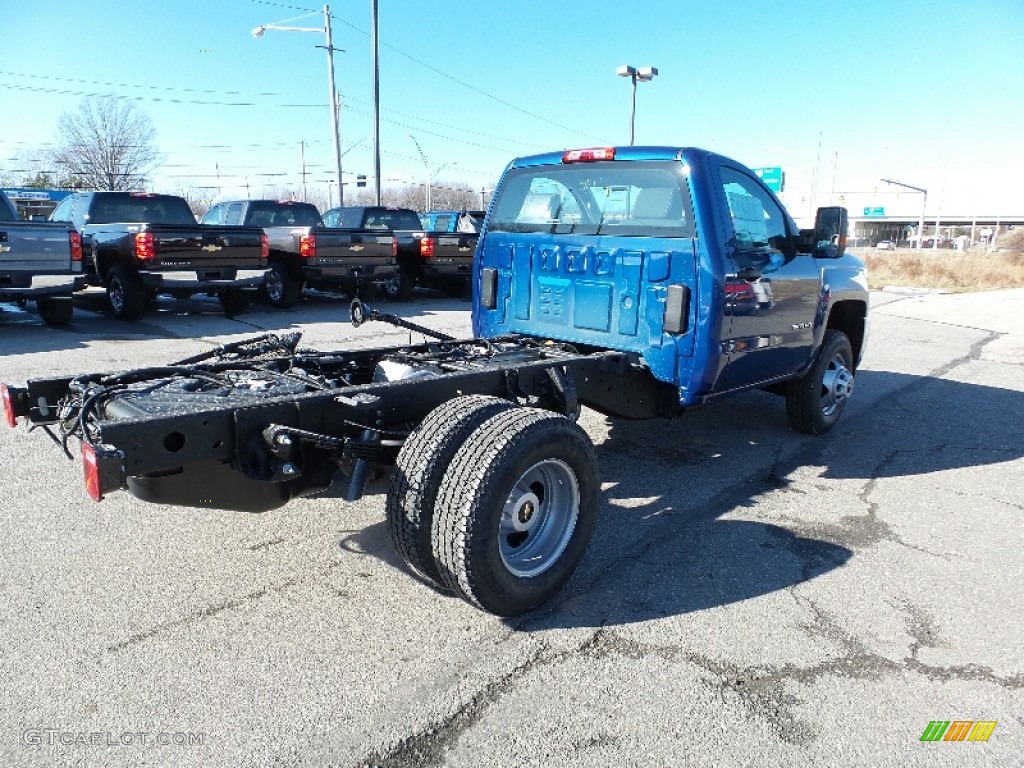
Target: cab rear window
(638, 199)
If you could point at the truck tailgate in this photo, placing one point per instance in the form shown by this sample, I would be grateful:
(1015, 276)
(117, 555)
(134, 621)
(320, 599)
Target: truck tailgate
(610, 292)
(38, 247)
(205, 246)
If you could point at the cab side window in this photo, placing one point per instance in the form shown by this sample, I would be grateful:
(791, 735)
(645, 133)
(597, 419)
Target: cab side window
(63, 211)
(759, 223)
(214, 216)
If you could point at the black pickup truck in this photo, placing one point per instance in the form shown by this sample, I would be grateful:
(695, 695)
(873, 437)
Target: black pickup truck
(437, 259)
(39, 260)
(139, 244)
(302, 252)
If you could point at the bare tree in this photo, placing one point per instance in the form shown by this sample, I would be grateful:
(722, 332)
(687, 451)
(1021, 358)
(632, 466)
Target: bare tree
(106, 144)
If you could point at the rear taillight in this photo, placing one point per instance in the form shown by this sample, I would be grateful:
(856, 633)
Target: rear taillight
(427, 247)
(8, 404)
(264, 246)
(307, 246)
(588, 155)
(76, 246)
(102, 469)
(394, 247)
(91, 471)
(145, 246)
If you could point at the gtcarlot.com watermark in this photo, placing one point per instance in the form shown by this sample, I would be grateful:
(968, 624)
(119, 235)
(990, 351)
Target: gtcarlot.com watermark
(55, 736)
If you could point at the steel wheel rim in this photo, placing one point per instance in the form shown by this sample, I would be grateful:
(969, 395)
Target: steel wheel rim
(392, 286)
(538, 518)
(275, 285)
(836, 385)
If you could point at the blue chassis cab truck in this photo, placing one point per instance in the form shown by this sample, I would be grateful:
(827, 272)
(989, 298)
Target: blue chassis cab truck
(636, 281)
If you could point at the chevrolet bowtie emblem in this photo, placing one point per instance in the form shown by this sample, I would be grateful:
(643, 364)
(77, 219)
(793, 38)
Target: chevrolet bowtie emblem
(4, 248)
(211, 248)
(356, 248)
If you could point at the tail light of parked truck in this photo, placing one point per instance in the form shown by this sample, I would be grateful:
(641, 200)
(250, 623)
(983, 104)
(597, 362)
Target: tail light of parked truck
(145, 246)
(76, 246)
(427, 247)
(264, 246)
(307, 246)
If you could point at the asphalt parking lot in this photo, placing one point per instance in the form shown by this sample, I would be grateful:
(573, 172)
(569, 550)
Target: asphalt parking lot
(751, 596)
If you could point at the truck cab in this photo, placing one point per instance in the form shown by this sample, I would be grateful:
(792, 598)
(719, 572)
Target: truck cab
(680, 256)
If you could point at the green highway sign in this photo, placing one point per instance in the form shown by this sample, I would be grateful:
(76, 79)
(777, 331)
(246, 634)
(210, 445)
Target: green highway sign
(773, 178)
(874, 211)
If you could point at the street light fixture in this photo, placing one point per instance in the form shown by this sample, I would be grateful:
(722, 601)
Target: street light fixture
(427, 175)
(924, 202)
(259, 31)
(643, 75)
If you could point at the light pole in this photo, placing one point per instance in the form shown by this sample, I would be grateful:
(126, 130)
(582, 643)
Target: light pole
(643, 75)
(259, 31)
(924, 202)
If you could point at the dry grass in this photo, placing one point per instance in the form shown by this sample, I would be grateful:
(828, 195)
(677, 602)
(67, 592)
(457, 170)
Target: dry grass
(955, 271)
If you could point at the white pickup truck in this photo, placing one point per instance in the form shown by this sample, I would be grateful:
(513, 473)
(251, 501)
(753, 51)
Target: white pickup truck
(39, 260)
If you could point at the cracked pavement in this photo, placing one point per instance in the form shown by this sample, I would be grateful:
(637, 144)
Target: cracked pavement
(751, 596)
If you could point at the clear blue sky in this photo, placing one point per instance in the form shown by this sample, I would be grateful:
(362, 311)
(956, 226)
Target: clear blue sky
(839, 94)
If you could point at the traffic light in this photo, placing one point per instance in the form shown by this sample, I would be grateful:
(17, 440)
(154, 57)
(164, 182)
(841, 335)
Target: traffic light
(361, 180)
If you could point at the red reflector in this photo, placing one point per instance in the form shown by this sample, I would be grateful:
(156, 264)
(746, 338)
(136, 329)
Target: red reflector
(76, 246)
(264, 246)
(5, 396)
(91, 470)
(588, 155)
(427, 247)
(145, 245)
(307, 246)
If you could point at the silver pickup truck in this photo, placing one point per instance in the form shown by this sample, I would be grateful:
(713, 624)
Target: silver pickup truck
(39, 260)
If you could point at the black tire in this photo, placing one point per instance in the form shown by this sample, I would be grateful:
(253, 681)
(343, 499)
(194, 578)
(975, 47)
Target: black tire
(416, 478)
(125, 294)
(815, 401)
(400, 286)
(540, 466)
(281, 288)
(235, 300)
(56, 310)
(458, 289)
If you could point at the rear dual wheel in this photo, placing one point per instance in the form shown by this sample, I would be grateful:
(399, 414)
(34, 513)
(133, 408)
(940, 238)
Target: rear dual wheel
(507, 501)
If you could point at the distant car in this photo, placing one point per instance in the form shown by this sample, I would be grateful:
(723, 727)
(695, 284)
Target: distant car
(886, 245)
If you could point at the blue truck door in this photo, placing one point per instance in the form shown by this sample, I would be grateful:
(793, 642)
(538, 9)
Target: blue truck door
(771, 291)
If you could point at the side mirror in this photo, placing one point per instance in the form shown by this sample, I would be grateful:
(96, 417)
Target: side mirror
(830, 228)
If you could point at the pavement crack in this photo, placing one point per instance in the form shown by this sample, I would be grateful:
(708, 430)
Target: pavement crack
(203, 613)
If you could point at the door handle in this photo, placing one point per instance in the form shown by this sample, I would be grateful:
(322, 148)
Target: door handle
(750, 274)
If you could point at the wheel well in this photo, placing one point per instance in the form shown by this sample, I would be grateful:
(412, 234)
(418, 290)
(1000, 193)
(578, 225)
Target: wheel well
(848, 317)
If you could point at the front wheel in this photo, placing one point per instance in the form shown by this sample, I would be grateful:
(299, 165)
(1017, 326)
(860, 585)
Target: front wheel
(815, 401)
(516, 510)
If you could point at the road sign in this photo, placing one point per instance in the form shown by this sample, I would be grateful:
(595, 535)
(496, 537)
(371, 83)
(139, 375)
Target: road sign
(874, 211)
(773, 178)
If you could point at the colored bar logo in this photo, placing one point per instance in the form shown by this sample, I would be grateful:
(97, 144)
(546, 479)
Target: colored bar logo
(959, 730)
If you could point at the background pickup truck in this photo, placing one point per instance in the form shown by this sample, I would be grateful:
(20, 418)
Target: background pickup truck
(138, 245)
(40, 261)
(602, 279)
(441, 260)
(302, 252)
